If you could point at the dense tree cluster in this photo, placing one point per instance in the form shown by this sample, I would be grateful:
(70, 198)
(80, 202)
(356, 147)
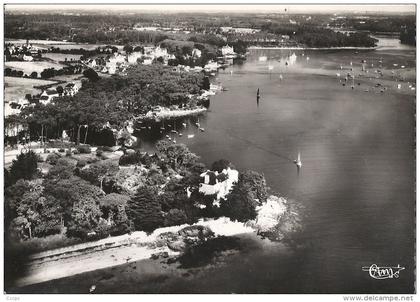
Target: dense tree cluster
(23, 167)
(247, 194)
(408, 36)
(68, 70)
(183, 52)
(45, 74)
(88, 201)
(108, 49)
(112, 101)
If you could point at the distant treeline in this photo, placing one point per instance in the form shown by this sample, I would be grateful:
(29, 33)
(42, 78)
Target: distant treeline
(404, 25)
(314, 36)
(206, 28)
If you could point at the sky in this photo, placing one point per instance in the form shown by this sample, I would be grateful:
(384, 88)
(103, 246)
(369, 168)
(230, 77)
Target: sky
(243, 8)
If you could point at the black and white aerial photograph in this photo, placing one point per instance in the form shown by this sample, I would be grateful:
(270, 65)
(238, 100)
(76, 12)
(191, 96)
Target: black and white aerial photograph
(213, 148)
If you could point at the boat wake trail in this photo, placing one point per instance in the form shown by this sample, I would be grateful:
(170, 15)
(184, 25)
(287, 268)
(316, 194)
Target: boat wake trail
(251, 143)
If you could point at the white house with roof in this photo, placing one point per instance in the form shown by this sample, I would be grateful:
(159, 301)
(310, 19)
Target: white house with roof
(211, 66)
(117, 58)
(160, 52)
(148, 49)
(15, 106)
(112, 69)
(71, 89)
(132, 57)
(146, 28)
(218, 184)
(196, 53)
(147, 61)
(228, 51)
(48, 95)
(27, 58)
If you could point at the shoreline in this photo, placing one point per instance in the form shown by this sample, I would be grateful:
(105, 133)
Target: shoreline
(114, 251)
(168, 114)
(118, 250)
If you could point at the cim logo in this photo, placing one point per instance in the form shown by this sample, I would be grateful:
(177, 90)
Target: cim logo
(383, 272)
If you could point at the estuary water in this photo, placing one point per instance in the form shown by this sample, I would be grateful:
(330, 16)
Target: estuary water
(357, 183)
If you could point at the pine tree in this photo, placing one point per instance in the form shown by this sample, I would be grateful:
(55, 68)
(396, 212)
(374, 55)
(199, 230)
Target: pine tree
(24, 166)
(144, 210)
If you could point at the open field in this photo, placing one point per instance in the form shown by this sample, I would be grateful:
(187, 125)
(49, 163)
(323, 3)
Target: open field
(68, 77)
(58, 57)
(29, 67)
(15, 88)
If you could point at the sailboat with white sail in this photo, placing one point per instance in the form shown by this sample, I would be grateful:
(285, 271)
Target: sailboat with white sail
(298, 161)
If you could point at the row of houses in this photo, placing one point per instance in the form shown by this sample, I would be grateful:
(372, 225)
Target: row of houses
(258, 37)
(118, 62)
(185, 30)
(25, 52)
(48, 95)
(239, 30)
(14, 107)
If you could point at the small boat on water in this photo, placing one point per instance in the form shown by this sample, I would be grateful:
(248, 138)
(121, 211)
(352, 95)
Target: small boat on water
(184, 124)
(298, 162)
(198, 123)
(190, 136)
(180, 134)
(258, 97)
(201, 129)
